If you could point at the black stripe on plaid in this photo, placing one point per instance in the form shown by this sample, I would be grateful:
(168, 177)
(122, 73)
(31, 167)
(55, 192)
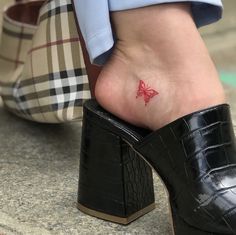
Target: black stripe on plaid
(56, 11)
(45, 109)
(67, 104)
(44, 78)
(48, 108)
(66, 74)
(7, 84)
(71, 89)
(59, 95)
(64, 87)
(17, 35)
(68, 89)
(44, 93)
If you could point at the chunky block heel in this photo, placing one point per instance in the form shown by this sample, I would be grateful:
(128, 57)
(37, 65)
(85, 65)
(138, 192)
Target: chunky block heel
(114, 184)
(195, 156)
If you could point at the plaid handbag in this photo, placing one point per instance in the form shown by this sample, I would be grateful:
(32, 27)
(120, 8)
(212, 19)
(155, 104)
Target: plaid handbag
(42, 71)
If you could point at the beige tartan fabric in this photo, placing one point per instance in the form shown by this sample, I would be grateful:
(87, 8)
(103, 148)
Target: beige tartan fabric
(42, 71)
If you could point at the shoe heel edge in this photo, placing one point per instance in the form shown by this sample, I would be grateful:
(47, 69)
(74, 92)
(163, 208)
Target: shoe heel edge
(116, 219)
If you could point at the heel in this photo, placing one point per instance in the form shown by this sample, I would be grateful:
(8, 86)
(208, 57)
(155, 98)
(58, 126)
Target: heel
(115, 184)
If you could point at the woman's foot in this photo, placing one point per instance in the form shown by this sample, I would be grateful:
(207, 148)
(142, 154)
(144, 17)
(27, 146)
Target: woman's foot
(159, 48)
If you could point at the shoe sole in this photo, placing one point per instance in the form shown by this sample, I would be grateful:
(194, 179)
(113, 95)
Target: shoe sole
(116, 219)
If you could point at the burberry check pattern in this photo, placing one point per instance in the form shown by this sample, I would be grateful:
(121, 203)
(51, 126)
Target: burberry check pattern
(50, 83)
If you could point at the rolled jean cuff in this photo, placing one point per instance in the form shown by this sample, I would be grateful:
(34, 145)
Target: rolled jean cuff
(99, 46)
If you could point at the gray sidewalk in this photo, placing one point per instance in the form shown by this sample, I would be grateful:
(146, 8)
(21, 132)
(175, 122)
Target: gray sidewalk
(39, 165)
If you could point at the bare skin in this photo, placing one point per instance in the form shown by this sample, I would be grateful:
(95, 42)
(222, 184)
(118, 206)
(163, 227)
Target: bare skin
(161, 46)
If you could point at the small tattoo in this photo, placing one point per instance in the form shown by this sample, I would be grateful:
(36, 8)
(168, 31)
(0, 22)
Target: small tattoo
(145, 91)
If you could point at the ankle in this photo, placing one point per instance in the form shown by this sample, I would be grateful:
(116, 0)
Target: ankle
(180, 91)
(177, 66)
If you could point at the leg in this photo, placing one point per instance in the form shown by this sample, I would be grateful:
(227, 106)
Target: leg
(165, 50)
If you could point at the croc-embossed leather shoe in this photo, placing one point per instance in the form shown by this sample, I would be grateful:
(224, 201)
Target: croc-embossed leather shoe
(195, 156)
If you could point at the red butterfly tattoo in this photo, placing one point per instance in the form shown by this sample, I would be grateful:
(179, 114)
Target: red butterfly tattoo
(145, 91)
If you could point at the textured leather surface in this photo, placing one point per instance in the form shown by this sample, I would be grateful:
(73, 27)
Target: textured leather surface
(113, 179)
(137, 180)
(196, 158)
(182, 228)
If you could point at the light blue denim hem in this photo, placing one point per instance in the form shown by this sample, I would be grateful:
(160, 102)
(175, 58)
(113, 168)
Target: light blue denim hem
(100, 46)
(115, 5)
(94, 21)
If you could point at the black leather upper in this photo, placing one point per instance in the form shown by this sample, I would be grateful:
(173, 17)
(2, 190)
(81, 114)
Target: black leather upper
(196, 158)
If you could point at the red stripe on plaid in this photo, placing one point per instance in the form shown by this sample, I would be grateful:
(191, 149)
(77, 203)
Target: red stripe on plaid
(59, 42)
(11, 60)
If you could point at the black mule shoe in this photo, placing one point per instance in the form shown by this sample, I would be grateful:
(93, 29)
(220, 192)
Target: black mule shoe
(195, 156)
